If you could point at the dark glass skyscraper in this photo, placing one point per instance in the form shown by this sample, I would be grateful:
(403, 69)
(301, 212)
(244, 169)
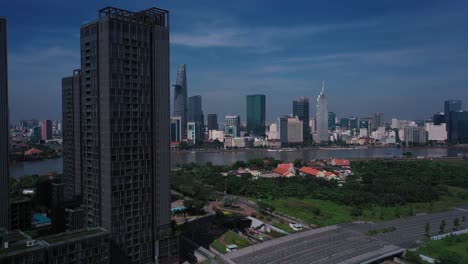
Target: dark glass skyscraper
(256, 114)
(180, 97)
(331, 121)
(458, 127)
(438, 118)
(301, 110)
(71, 136)
(212, 122)
(195, 112)
(125, 115)
(4, 130)
(378, 120)
(451, 106)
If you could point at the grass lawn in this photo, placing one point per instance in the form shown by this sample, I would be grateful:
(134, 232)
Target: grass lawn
(453, 244)
(230, 238)
(332, 213)
(284, 227)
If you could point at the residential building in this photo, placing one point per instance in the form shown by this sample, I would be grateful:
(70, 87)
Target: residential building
(395, 123)
(71, 136)
(290, 130)
(21, 214)
(378, 120)
(194, 133)
(256, 114)
(232, 125)
(46, 129)
(125, 130)
(176, 129)
(82, 246)
(363, 132)
(216, 135)
(180, 97)
(438, 119)
(322, 117)
(344, 124)
(301, 110)
(436, 132)
(415, 135)
(451, 106)
(273, 132)
(195, 112)
(331, 121)
(212, 122)
(458, 127)
(4, 130)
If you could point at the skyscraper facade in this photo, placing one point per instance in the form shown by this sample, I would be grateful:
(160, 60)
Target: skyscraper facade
(125, 95)
(344, 123)
(291, 129)
(331, 121)
(180, 96)
(451, 106)
(71, 136)
(46, 129)
(232, 125)
(176, 129)
(195, 112)
(212, 122)
(458, 127)
(378, 120)
(301, 110)
(438, 119)
(322, 117)
(4, 130)
(256, 114)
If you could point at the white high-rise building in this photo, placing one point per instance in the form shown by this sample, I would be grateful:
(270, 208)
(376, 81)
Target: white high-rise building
(312, 125)
(322, 117)
(436, 132)
(273, 132)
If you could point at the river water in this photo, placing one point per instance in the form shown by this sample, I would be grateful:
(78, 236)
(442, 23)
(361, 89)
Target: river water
(19, 169)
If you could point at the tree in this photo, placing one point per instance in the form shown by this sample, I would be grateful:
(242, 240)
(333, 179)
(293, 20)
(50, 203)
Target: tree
(463, 218)
(316, 211)
(456, 223)
(447, 257)
(442, 227)
(427, 230)
(356, 211)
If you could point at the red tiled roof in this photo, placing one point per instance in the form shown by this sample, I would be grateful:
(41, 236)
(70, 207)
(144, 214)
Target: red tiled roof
(328, 174)
(281, 171)
(285, 165)
(341, 162)
(33, 151)
(310, 171)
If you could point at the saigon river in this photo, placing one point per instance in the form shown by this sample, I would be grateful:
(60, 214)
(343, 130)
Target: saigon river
(222, 157)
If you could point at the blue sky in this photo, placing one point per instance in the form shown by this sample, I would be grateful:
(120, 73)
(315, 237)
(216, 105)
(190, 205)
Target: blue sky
(402, 58)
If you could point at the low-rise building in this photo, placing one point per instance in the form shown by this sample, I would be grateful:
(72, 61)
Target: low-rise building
(285, 170)
(238, 142)
(216, 135)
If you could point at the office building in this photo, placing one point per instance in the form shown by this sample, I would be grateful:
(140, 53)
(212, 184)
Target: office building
(180, 97)
(458, 127)
(290, 130)
(301, 110)
(71, 136)
(378, 120)
(194, 133)
(35, 135)
(322, 117)
(46, 129)
(216, 135)
(438, 119)
(273, 132)
(212, 122)
(4, 130)
(176, 129)
(312, 125)
(75, 218)
(331, 121)
(344, 124)
(363, 123)
(436, 132)
(353, 123)
(195, 112)
(415, 135)
(82, 246)
(21, 214)
(451, 106)
(256, 114)
(232, 126)
(125, 123)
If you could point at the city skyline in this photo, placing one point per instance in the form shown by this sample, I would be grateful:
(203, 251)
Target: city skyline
(404, 61)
